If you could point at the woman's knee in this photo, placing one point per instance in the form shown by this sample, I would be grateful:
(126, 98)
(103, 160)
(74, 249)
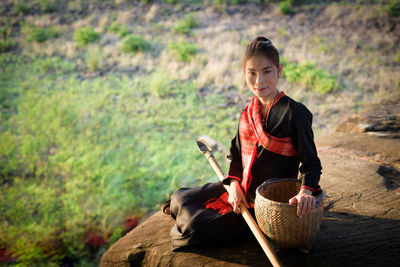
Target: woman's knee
(179, 196)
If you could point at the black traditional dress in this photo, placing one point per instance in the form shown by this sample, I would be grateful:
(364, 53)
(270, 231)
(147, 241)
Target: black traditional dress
(196, 225)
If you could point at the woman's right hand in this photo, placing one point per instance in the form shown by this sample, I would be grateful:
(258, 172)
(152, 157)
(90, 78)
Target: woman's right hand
(236, 196)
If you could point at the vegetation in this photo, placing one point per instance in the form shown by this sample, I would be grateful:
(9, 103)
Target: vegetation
(182, 50)
(310, 77)
(234, 2)
(37, 34)
(47, 6)
(80, 157)
(86, 35)
(133, 44)
(6, 44)
(160, 84)
(94, 58)
(185, 25)
(119, 29)
(286, 7)
(393, 8)
(21, 7)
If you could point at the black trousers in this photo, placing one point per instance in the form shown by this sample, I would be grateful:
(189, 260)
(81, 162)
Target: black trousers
(197, 226)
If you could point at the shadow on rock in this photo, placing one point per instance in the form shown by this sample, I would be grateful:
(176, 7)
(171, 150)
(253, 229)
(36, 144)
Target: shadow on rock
(344, 240)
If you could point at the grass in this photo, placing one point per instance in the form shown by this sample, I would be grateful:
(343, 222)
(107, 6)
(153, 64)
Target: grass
(47, 6)
(160, 84)
(82, 155)
(6, 45)
(393, 8)
(134, 44)
(21, 7)
(286, 7)
(182, 50)
(86, 35)
(37, 34)
(310, 77)
(94, 58)
(184, 26)
(119, 29)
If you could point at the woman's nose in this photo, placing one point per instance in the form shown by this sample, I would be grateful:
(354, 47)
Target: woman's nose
(260, 79)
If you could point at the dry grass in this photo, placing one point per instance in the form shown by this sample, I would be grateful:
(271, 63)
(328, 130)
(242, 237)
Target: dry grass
(338, 38)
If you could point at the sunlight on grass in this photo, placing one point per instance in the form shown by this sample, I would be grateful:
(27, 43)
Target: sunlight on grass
(86, 35)
(100, 149)
(182, 50)
(309, 76)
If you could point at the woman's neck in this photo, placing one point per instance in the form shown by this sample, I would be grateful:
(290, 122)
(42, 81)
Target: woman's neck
(267, 101)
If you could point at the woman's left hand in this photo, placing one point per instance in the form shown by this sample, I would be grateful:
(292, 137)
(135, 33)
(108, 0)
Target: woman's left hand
(305, 202)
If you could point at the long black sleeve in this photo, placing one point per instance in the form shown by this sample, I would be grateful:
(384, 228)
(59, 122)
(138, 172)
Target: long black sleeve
(303, 140)
(235, 168)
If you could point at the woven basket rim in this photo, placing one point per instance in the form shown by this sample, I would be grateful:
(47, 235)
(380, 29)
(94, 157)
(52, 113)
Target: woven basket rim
(264, 185)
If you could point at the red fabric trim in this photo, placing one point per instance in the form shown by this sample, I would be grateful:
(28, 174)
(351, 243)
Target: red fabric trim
(310, 188)
(251, 133)
(234, 177)
(220, 204)
(246, 181)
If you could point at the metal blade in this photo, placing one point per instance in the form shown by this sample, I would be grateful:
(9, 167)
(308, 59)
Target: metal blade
(202, 146)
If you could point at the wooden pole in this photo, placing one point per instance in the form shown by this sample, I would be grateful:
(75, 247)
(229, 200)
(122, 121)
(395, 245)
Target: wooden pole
(206, 150)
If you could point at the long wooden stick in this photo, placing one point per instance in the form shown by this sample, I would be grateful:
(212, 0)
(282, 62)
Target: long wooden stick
(206, 150)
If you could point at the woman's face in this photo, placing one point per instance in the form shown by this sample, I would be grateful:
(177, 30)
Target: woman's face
(262, 76)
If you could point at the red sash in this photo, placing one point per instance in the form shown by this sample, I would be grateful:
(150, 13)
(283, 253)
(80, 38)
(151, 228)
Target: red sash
(251, 133)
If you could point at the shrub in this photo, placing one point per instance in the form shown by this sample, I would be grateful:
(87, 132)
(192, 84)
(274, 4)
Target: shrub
(86, 35)
(5, 31)
(47, 6)
(36, 34)
(119, 29)
(93, 58)
(244, 42)
(21, 7)
(183, 50)
(310, 76)
(233, 2)
(134, 44)
(393, 8)
(160, 84)
(184, 26)
(6, 45)
(286, 7)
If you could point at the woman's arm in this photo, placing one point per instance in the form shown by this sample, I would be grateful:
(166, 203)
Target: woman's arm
(234, 176)
(235, 168)
(310, 169)
(303, 140)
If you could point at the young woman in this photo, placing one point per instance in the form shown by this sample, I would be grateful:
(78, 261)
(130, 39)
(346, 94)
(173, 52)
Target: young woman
(274, 136)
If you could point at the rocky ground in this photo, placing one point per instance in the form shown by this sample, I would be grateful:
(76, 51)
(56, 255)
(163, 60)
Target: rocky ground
(361, 225)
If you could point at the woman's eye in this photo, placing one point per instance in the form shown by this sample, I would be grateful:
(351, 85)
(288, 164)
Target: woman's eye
(267, 71)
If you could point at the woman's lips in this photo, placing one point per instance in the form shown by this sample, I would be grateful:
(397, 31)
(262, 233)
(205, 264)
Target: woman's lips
(260, 89)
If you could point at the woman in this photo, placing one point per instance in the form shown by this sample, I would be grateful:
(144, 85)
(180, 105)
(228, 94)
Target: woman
(274, 136)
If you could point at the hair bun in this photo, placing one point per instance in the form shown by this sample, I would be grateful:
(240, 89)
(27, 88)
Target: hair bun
(267, 43)
(261, 46)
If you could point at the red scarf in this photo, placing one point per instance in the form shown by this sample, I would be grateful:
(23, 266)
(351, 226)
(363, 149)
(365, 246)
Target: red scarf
(251, 133)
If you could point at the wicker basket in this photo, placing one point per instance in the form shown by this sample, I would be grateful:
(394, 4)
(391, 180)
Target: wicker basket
(279, 221)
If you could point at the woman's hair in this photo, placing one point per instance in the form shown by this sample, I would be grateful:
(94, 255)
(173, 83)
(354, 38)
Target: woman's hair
(261, 46)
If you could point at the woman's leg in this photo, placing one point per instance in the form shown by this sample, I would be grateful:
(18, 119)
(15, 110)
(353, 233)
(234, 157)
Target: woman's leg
(196, 225)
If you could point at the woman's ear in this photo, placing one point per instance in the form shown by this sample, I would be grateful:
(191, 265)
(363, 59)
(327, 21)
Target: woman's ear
(279, 69)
